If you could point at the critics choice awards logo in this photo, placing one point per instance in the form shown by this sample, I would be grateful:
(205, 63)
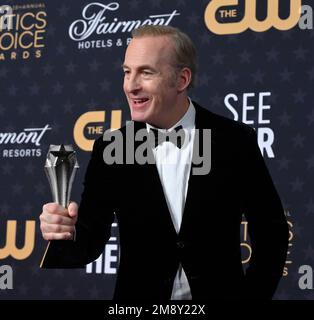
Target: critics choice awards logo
(22, 31)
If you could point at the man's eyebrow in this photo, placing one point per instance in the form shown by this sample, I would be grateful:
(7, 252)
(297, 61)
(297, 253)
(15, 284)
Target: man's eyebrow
(145, 66)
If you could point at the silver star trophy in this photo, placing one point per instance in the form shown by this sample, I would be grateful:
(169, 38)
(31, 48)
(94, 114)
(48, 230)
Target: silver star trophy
(61, 166)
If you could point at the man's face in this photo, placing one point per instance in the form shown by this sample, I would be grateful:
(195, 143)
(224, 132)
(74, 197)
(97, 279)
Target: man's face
(149, 79)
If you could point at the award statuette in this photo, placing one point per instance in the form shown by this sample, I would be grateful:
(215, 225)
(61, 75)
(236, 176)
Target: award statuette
(61, 166)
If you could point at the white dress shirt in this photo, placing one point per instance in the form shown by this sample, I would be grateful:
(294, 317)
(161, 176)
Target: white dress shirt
(173, 165)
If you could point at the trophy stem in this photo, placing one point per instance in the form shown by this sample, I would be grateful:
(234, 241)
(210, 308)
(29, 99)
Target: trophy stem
(64, 179)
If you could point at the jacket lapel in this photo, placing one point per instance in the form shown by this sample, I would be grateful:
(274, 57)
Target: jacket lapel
(150, 176)
(195, 182)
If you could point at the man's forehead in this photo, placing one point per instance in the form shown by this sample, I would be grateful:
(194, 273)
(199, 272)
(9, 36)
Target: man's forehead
(166, 38)
(150, 49)
(151, 43)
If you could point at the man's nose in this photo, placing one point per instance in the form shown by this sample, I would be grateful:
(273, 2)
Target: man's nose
(133, 84)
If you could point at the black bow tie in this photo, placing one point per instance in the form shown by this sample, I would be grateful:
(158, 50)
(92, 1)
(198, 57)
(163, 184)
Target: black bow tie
(176, 136)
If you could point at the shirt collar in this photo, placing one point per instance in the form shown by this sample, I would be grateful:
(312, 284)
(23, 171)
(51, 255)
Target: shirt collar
(187, 121)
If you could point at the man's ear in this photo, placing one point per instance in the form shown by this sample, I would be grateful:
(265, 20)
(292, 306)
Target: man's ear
(184, 79)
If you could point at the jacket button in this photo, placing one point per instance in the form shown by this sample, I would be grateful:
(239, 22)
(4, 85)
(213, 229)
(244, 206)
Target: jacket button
(180, 244)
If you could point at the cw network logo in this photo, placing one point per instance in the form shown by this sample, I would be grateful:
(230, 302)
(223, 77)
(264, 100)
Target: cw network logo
(221, 20)
(10, 248)
(88, 124)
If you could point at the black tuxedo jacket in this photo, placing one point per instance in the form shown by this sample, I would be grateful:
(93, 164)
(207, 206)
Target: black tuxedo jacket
(208, 244)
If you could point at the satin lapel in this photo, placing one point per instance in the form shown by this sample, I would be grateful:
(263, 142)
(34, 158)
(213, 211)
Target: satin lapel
(151, 178)
(195, 183)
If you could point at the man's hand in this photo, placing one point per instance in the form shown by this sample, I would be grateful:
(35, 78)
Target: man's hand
(57, 222)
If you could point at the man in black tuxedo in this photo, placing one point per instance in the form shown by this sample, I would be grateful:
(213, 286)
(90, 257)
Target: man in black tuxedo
(179, 231)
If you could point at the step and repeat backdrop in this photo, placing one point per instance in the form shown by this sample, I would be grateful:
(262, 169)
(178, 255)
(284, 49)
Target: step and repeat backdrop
(61, 82)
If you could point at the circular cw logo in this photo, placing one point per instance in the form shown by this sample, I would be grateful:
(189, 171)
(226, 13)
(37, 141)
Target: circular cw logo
(217, 9)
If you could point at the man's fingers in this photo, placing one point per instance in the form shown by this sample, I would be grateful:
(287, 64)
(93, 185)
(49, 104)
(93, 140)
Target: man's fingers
(73, 209)
(56, 219)
(57, 236)
(56, 228)
(57, 222)
(55, 208)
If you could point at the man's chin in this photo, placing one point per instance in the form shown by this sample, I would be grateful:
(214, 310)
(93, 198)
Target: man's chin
(139, 117)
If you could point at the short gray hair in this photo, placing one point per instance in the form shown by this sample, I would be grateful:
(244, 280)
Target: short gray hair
(184, 48)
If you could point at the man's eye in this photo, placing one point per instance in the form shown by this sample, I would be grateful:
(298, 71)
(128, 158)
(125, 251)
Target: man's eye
(147, 73)
(126, 71)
